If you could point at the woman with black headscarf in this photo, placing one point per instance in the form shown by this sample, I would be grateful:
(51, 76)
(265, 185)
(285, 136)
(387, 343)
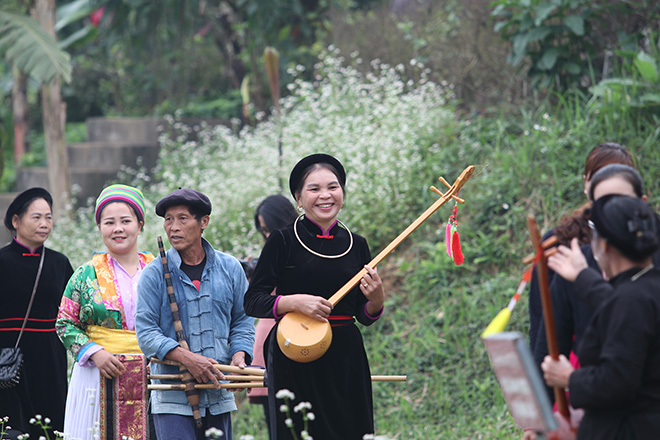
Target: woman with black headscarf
(618, 384)
(308, 262)
(41, 389)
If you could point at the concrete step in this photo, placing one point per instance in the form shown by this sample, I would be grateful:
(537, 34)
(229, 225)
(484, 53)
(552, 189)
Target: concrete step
(112, 155)
(87, 181)
(135, 130)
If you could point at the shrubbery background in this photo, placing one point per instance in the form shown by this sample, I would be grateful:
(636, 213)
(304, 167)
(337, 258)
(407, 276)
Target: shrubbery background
(396, 132)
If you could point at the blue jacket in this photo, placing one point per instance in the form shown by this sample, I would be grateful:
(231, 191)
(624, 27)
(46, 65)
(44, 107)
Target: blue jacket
(213, 319)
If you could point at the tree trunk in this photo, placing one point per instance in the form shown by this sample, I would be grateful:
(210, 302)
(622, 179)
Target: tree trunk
(20, 111)
(54, 115)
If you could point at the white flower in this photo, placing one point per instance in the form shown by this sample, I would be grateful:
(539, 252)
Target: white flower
(285, 394)
(38, 416)
(215, 432)
(288, 422)
(310, 416)
(283, 408)
(47, 420)
(302, 406)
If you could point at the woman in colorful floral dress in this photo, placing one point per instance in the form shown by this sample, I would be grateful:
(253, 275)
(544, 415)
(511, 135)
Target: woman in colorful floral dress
(107, 391)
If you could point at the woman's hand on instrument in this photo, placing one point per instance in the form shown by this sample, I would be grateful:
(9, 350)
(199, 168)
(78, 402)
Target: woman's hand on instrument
(108, 364)
(201, 367)
(568, 262)
(557, 373)
(314, 306)
(372, 287)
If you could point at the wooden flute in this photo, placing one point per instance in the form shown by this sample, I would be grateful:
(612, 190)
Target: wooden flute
(188, 380)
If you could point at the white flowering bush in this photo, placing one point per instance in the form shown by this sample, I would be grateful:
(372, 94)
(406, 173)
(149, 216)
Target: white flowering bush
(304, 408)
(388, 131)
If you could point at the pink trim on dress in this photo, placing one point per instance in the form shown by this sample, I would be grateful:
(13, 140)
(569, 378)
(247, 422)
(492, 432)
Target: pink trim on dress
(275, 308)
(373, 317)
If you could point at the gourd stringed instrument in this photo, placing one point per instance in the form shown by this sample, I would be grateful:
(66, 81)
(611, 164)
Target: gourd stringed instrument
(304, 339)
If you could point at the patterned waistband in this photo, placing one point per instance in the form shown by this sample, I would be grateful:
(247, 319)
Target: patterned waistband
(32, 325)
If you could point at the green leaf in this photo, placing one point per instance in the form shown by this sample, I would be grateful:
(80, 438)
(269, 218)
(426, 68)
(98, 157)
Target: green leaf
(646, 65)
(284, 33)
(548, 60)
(575, 23)
(32, 50)
(520, 43)
(526, 23)
(543, 11)
(500, 25)
(573, 68)
(650, 98)
(538, 33)
(82, 35)
(72, 12)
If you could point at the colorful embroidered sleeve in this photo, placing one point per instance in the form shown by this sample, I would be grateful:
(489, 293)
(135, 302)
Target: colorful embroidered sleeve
(69, 327)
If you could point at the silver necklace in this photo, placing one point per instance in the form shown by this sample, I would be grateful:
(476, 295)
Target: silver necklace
(350, 245)
(639, 274)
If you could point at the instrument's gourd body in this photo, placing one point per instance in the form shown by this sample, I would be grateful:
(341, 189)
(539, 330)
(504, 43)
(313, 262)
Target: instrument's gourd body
(303, 339)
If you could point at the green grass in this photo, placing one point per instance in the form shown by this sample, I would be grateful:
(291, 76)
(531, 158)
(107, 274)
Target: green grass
(527, 163)
(396, 141)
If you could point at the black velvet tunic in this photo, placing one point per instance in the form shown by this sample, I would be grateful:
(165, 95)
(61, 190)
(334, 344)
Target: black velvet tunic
(338, 385)
(619, 382)
(43, 384)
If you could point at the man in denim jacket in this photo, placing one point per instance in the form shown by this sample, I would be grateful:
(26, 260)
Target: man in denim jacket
(209, 287)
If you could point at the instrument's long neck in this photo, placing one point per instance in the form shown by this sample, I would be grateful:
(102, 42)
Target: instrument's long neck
(548, 315)
(458, 184)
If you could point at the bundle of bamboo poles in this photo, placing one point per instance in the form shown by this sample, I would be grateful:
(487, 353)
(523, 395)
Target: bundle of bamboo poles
(239, 379)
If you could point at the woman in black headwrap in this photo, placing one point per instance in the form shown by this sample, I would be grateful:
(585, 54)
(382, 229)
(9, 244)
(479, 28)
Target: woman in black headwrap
(618, 384)
(42, 386)
(308, 262)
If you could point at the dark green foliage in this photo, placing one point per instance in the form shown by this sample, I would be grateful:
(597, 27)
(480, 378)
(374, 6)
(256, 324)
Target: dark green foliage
(568, 43)
(528, 162)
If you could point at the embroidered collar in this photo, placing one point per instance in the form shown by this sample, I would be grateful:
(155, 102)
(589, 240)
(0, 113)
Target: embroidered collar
(105, 276)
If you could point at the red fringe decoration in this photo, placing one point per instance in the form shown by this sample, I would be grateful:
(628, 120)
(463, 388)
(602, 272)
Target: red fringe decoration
(456, 249)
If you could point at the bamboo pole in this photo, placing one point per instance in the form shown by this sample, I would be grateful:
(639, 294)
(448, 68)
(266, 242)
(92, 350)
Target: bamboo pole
(258, 384)
(221, 367)
(240, 377)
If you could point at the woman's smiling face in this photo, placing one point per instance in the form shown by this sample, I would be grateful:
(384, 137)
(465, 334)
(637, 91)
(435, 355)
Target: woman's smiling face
(321, 197)
(119, 228)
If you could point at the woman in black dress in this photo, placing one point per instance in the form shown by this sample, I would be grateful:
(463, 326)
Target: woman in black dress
(43, 383)
(618, 383)
(308, 262)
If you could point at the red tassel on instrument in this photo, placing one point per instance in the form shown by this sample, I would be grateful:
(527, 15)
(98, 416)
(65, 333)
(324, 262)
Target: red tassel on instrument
(456, 251)
(453, 242)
